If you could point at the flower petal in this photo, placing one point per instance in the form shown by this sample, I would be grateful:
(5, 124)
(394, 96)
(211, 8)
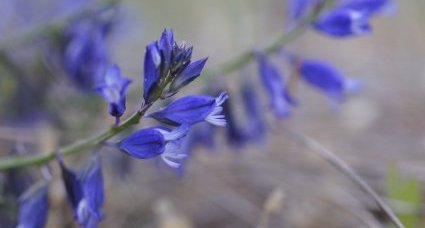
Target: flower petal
(143, 144)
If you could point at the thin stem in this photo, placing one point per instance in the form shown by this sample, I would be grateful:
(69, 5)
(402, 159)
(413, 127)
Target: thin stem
(14, 162)
(226, 68)
(342, 166)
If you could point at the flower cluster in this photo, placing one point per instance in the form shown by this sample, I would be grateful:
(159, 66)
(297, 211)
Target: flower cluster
(188, 121)
(168, 67)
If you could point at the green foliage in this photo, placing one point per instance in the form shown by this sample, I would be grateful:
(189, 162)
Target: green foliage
(405, 192)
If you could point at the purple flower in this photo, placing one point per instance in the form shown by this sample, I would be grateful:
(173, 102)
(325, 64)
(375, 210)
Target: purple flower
(369, 7)
(33, 207)
(190, 73)
(235, 134)
(256, 126)
(297, 9)
(113, 89)
(151, 70)
(85, 58)
(202, 134)
(156, 141)
(326, 78)
(85, 192)
(280, 101)
(343, 22)
(166, 62)
(193, 109)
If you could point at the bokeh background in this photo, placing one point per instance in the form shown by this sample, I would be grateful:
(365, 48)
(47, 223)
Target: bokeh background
(279, 184)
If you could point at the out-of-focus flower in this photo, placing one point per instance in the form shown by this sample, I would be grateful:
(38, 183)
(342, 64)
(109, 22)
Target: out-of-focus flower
(255, 127)
(113, 89)
(280, 101)
(369, 7)
(33, 206)
(202, 135)
(156, 141)
(85, 57)
(343, 22)
(297, 9)
(85, 192)
(327, 78)
(166, 62)
(235, 134)
(193, 109)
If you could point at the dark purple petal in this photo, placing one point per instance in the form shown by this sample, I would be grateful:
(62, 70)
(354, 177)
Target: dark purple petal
(187, 110)
(190, 73)
(151, 70)
(235, 135)
(166, 43)
(143, 144)
(343, 23)
(275, 87)
(33, 207)
(256, 126)
(72, 184)
(92, 184)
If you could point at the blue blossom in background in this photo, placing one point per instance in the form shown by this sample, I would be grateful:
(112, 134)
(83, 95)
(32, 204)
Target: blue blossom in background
(202, 135)
(342, 22)
(193, 109)
(280, 101)
(156, 141)
(85, 192)
(113, 89)
(167, 62)
(85, 57)
(327, 78)
(235, 134)
(369, 7)
(297, 9)
(256, 126)
(33, 207)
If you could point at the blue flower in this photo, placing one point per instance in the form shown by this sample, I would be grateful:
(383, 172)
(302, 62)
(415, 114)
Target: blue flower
(280, 101)
(202, 134)
(256, 126)
(235, 134)
(190, 73)
(85, 192)
(168, 63)
(113, 89)
(193, 109)
(151, 70)
(343, 22)
(297, 9)
(327, 78)
(156, 141)
(368, 7)
(33, 207)
(85, 58)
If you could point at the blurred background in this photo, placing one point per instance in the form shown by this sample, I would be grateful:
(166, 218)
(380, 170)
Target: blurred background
(380, 132)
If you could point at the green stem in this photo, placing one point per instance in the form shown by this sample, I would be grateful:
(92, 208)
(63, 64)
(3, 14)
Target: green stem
(14, 162)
